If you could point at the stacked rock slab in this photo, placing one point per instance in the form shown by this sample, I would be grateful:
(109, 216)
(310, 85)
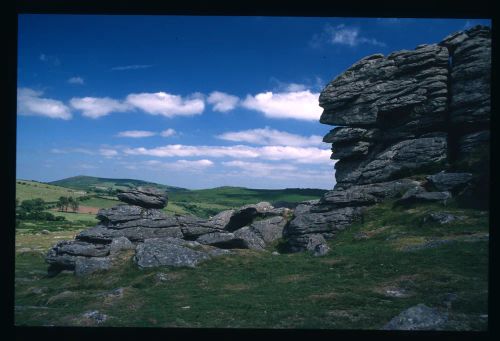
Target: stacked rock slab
(162, 240)
(413, 112)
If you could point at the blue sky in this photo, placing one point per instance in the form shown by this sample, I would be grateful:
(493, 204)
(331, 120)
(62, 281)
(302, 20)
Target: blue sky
(195, 102)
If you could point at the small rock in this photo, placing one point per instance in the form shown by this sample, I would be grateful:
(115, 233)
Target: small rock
(441, 218)
(361, 236)
(419, 317)
(63, 296)
(87, 265)
(321, 250)
(96, 316)
(45, 232)
(120, 244)
(275, 253)
(162, 277)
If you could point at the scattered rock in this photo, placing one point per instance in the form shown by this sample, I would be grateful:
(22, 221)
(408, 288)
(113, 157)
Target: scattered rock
(95, 316)
(419, 317)
(162, 277)
(441, 218)
(147, 197)
(427, 245)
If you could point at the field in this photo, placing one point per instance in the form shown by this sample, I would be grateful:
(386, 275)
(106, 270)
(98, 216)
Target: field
(377, 268)
(26, 190)
(203, 203)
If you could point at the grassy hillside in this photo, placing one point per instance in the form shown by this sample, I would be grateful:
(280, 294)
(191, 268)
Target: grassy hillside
(352, 287)
(89, 183)
(26, 190)
(202, 203)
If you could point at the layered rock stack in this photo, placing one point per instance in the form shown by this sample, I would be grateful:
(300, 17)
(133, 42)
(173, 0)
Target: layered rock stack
(398, 119)
(162, 240)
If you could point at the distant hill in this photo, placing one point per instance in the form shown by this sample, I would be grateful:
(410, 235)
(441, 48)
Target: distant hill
(28, 189)
(91, 183)
(203, 202)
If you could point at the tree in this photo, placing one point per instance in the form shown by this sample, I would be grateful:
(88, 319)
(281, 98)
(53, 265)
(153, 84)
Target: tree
(63, 203)
(74, 204)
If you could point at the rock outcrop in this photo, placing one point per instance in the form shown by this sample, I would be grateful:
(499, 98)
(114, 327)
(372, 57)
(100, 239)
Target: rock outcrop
(412, 125)
(159, 239)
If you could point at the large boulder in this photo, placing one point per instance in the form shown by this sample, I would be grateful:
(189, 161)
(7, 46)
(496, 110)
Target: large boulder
(471, 75)
(147, 197)
(444, 181)
(167, 252)
(270, 229)
(87, 265)
(124, 216)
(105, 235)
(404, 88)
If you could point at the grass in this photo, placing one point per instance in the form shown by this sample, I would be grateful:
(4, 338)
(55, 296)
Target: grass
(344, 290)
(26, 190)
(76, 217)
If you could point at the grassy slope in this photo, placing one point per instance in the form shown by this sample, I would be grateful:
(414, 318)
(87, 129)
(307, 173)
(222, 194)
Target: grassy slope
(26, 190)
(345, 289)
(86, 182)
(202, 203)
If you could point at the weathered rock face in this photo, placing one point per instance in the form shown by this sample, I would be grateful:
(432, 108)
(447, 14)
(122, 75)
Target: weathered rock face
(146, 197)
(411, 113)
(162, 240)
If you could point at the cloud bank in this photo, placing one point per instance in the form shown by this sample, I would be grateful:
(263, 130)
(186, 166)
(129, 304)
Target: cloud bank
(30, 103)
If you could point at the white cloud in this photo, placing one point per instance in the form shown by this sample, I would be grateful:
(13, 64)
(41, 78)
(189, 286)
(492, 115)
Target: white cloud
(76, 80)
(95, 107)
(259, 168)
(130, 67)
(108, 152)
(168, 132)
(304, 155)
(268, 136)
(161, 103)
(30, 103)
(222, 102)
(300, 105)
(72, 150)
(343, 35)
(184, 165)
(136, 133)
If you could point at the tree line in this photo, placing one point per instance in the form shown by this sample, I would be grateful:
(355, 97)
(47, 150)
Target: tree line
(68, 202)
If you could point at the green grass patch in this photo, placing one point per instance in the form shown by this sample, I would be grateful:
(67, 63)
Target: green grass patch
(346, 289)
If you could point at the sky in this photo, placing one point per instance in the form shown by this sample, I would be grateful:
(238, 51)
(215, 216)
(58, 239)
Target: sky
(191, 101)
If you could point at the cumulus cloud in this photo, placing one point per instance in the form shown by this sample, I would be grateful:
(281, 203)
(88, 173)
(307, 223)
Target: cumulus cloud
(269, 136)
(299, 105)
(302, 155)
(30, 103)
(136, 133)
(168, 132)
(181, 164)
(222, 102)
(130, 67)
(343, 35)
(161, 103)
(95, 107)
(76, 80)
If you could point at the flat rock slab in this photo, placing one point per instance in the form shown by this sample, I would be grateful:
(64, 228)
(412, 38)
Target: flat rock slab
(164, 252)
(444, 181)
(419, 317)
(147, 197)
